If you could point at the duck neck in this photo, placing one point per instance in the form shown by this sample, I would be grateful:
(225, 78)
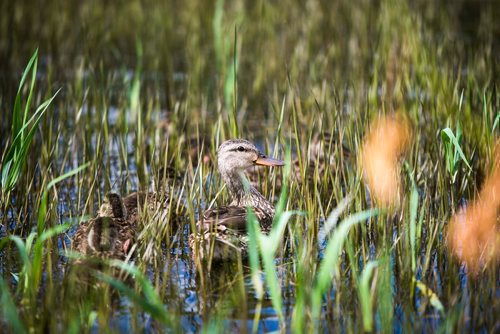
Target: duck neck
(244, 194)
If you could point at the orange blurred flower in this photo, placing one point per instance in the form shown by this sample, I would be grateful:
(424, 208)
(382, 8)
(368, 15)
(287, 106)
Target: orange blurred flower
(473, 232)
(387, 139)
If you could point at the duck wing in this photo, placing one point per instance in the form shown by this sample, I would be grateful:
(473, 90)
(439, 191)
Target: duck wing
(233, 217)
(79, 241)
(135, 202)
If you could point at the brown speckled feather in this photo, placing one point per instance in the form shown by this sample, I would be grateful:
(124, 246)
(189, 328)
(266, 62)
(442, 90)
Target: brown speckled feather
(233, 217)
(110, 235)
(104, 237)
(134, 203)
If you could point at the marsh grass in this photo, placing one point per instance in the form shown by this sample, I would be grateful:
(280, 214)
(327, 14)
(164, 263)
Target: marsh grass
(146, 91)
(453, 151)
(23, 129)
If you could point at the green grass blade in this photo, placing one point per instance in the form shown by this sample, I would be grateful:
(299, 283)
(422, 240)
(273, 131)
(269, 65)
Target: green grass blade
(253, 252)
(334, 216)
(272, 280)
(43, 203)
(21, 247)
(29, 241)
(17, 119)
(32, 87)
(276, 233)
(413, 225)
(433, 298)
(6, 173)
(149, 302)
(153, 310)
(15, 157)
(146, 286)
(335, 245)
(332, 252)
(365, 295)
(9, 310)
(281, 205)
(448, 135)
(495, 123)
(38, 251)
(267, 245)
(67, 175)
(385, 293)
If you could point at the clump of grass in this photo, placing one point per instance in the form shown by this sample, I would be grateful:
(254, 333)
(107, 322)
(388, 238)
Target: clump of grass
(23, 130)
(452, 150)
(329, 266)
(31, 252)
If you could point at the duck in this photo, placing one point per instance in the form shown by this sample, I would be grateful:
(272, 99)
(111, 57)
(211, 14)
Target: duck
(109, 235)
(134, 202)
(221, 232)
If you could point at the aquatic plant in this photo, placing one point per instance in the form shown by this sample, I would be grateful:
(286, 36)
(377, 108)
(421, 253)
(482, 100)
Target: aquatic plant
(453, 151)
(23, 129)
(160, 85)
(33, 253)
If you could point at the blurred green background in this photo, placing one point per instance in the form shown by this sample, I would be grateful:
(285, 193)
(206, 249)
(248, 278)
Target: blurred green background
(189, 46)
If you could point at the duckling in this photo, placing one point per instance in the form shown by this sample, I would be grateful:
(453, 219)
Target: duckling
(222, 231)
(135, 201)
(109, 235)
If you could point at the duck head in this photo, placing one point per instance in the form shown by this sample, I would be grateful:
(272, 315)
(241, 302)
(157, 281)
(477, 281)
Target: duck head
(236, 155)
(112, 206)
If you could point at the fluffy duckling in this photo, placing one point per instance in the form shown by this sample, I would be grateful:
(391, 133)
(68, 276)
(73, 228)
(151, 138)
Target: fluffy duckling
(109, 235)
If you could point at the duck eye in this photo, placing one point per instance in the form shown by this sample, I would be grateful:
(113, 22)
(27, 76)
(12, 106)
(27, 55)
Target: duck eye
(241, 149)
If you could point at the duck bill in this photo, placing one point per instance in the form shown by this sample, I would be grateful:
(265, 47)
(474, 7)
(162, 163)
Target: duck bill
(262, 160)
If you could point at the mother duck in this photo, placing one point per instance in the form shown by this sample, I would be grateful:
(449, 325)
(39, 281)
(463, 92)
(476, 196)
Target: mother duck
(221, 233)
